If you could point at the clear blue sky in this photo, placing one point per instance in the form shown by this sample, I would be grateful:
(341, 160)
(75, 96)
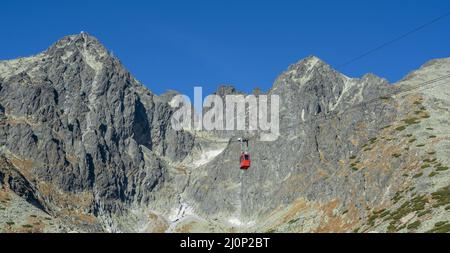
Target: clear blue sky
(180, 44)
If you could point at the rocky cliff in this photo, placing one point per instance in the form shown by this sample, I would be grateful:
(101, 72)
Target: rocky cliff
(85, 147)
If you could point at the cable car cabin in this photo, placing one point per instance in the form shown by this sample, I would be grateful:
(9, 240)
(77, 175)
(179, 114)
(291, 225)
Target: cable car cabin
(245, 161)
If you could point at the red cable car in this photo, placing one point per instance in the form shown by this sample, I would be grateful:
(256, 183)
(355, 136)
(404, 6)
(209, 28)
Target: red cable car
(245, 161)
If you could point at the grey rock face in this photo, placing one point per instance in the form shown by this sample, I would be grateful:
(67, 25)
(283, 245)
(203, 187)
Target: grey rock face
(85, 125)
(13, 180)
(310, 143)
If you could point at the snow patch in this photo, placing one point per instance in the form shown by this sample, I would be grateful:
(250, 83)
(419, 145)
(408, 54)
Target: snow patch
(207, 157)
(360, 95)
(235, 221)
(344, 92)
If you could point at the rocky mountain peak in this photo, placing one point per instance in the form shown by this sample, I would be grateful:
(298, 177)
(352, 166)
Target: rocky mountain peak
(79, 42)
(311, 60)
(84, 48)
(308, 69)
(308, 64)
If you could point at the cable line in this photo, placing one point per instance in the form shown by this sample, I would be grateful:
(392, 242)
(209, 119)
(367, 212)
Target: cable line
(394, 40)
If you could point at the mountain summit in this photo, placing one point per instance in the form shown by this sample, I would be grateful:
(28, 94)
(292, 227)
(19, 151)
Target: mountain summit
(78, 42)
(85, 147)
